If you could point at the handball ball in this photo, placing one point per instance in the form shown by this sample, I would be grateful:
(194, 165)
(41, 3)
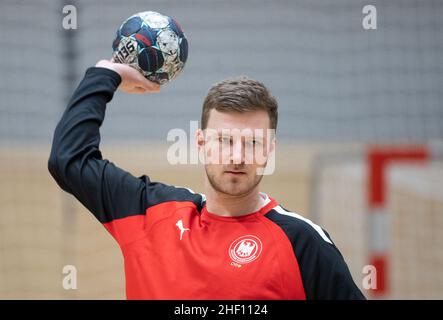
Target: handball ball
(152, 43)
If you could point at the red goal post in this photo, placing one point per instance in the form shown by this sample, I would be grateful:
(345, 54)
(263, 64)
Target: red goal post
(378, 159)
(375, 161)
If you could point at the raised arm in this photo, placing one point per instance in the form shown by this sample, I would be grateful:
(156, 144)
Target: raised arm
(76, 162)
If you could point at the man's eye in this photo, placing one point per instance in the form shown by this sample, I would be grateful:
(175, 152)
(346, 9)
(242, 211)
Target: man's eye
(253, 142)
(224, 139)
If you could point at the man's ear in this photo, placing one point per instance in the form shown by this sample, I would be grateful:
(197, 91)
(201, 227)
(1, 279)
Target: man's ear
(273, 145)
(200, 144)
(269, 167)
(199, 139)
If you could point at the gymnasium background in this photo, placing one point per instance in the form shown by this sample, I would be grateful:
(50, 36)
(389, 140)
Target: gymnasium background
(360, 130)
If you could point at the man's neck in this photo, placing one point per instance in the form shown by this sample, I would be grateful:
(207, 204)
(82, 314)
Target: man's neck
(227, 205)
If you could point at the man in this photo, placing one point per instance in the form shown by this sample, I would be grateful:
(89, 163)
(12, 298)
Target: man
(232, 242)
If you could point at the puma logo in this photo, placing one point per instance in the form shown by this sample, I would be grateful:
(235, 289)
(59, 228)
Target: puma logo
(179, 224)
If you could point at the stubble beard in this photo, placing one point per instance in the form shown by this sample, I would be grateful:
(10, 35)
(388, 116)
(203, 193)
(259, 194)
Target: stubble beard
(240, 188)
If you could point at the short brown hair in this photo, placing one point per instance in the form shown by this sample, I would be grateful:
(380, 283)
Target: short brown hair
(240, 94)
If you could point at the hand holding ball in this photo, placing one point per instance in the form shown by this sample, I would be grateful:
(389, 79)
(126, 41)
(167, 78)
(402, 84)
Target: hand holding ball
(152, 43)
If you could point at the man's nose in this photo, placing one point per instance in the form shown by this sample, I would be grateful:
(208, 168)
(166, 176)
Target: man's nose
(237, 152)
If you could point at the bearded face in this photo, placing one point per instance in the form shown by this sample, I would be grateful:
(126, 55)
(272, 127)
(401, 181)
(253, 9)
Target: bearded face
(235, 147)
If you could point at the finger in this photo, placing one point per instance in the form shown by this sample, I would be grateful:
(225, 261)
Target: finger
(150, 86)
(133, 89)
(153, 88)
(139, 79)
(138, 90)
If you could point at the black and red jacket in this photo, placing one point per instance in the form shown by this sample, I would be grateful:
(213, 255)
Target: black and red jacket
(173, 247)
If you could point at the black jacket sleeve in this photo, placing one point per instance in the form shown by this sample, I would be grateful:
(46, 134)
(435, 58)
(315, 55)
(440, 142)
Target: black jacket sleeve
(324, 272)
(76, 162)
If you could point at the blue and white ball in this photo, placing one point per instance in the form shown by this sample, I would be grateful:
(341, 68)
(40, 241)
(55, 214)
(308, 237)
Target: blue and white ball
(154, 44)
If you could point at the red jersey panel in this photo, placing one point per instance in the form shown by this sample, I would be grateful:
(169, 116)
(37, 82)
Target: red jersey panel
(184, 254)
